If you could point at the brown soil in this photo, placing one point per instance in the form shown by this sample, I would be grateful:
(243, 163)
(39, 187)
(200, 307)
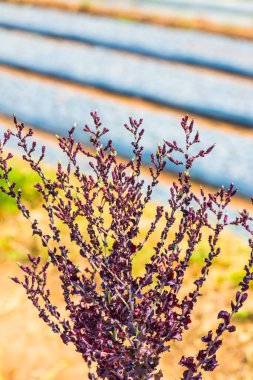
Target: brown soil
(118, 10)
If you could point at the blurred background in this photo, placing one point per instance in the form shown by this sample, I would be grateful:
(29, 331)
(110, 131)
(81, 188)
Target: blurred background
(151, 59)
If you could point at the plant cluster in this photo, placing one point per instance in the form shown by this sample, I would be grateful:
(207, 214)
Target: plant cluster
(121, 323)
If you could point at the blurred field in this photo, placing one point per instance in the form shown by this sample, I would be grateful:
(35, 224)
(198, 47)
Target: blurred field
(29, 350)
(160, 13)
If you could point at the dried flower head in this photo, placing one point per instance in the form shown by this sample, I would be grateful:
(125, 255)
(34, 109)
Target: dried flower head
(120, 322)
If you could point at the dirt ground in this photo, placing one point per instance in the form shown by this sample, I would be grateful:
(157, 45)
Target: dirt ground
(119, 9)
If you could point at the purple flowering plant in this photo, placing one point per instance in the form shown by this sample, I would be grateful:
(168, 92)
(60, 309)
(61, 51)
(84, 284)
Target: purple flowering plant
(122, 323)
